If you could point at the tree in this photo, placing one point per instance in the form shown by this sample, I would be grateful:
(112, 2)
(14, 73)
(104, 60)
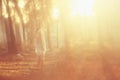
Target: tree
(38, 13)
(11, 43)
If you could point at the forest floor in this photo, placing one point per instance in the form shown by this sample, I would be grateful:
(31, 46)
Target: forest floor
(78, 63)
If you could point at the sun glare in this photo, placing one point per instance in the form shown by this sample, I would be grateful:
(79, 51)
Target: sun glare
(55, 13)
(82, 7)
(21, 3)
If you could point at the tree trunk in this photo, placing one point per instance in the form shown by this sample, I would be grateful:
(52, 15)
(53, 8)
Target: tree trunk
(12, 48)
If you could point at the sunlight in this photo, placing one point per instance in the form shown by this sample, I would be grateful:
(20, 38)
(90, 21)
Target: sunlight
(82, 7)
(11, 4)
(73, 13)
(55, 13)
(6, 15)
(82, 16)
(4, 11)
(17, 19)
(25, 18)
(21, 3)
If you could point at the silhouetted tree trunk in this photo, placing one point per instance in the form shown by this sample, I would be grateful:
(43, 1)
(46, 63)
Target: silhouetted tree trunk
(48, 35)
(22, 38)
(12, 48)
